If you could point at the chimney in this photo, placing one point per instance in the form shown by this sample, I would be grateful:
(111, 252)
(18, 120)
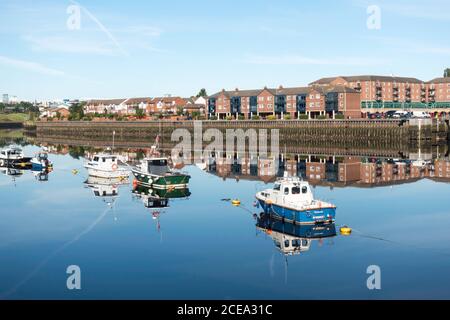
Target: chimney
(237, 89)
(280, 87)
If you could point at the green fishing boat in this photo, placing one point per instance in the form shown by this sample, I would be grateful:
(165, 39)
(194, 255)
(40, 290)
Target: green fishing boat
(155, 172)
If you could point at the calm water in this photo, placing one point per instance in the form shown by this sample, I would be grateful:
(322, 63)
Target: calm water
(205, 248)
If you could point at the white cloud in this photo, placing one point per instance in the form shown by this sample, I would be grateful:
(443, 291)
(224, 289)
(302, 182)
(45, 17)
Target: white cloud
(302, 60)
(30, 66)
(67, 45)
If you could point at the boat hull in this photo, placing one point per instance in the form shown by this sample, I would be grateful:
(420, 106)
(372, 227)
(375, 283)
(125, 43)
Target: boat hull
(309, 216)
(176, 180)
(107, 174)
(15, 162)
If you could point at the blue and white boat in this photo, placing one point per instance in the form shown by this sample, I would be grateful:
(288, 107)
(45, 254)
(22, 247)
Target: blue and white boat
(292, 200)
(40, 162)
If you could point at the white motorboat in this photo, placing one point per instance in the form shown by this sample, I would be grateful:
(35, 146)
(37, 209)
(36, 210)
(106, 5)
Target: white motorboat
(106, 166)
(13, 156)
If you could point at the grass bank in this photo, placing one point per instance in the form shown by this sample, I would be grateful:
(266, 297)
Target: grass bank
(14, 117)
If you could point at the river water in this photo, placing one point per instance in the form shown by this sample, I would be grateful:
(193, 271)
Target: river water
(203, 247)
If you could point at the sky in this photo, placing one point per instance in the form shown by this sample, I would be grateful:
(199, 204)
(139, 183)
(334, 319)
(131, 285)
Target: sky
(121, 49)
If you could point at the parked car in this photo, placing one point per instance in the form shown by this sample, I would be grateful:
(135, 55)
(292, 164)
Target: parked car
(375, 115)
(420, 115)
(389, 114)
(401, 114)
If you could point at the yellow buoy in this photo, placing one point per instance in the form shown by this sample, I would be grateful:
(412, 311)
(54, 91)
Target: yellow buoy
(74, 171)
(346, 231)
(236, 202)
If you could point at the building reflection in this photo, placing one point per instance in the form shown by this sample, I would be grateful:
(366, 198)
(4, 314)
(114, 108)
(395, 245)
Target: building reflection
(293, 239)
(333, 171)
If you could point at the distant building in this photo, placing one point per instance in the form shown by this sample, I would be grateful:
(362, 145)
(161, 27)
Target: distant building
(5, 98)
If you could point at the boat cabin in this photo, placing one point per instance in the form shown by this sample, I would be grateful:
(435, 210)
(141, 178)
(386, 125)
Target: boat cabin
(290, 245)
(104, 159)
(12, 153)
(156, 166)
(290, 190)
(154, 202)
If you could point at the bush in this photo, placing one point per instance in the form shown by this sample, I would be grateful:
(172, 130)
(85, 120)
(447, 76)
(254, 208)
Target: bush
(321, 117)
(256, 117)
(229, 118)
(271, 117)
(339, 116)
(303, 117)
(241, 117)
(287, 117)
(213, 118)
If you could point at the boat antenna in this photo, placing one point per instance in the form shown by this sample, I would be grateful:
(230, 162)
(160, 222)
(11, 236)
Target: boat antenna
(285, 269)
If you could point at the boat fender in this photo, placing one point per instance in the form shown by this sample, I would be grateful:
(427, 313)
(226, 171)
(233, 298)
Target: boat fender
(114, 167)
(346, 231)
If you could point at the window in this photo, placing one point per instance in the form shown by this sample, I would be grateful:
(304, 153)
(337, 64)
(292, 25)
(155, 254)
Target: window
(286, 243)
(286, 191)
(295, 190)
(317, 96)
(277, 186)
(304, 189)
(96, 159)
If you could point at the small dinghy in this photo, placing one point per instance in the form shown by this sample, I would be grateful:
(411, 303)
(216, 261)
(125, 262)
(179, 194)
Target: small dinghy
(292, 200)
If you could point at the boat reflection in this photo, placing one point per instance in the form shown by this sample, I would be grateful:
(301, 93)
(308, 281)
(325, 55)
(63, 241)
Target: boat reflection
(293, 239)
(158, 198)
(106, 189)
(42, 175)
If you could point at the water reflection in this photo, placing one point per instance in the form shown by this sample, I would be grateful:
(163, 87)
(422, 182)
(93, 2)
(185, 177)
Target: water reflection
(293, 239)
(39, 223)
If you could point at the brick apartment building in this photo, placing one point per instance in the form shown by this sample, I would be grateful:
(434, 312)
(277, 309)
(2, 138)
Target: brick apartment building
(379, 93)
(312, 101)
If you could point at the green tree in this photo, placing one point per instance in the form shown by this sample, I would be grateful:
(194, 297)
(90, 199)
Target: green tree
(76, 111)
(447, 73)
(202, 93)
(140, 113)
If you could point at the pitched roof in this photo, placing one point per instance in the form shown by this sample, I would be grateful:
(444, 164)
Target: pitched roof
(440, 80)
(105, 101)
(367, 78)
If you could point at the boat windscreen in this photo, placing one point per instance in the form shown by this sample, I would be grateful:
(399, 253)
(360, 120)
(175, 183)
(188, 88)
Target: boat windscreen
(158, 167)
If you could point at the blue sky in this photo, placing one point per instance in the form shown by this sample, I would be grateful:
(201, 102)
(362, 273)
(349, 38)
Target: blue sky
(150, 48)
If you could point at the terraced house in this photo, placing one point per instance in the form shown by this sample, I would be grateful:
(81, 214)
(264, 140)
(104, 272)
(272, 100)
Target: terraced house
(314, 101)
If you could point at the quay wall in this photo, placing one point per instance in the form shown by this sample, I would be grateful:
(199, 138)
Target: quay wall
(395, 134)
(11, 125)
